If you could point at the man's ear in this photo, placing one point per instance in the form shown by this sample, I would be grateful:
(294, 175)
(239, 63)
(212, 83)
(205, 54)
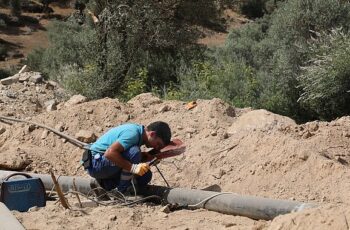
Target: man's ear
(152, 134)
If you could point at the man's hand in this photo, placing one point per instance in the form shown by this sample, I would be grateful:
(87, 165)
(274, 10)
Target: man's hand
(139, 169)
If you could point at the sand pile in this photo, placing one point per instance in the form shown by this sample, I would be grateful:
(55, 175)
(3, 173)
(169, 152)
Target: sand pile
(251, 152)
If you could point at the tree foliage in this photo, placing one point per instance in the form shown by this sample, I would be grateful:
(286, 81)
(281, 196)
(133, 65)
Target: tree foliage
(273, 49)
(325, 79)
(129, 36)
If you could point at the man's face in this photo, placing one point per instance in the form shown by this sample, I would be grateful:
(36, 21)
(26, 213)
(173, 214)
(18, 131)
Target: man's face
(155, 141)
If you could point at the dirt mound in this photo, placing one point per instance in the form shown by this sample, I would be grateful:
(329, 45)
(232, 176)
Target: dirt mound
(326, 217)
(27, 94)
(251, 152)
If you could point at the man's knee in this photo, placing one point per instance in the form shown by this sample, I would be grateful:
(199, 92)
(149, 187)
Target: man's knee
(133, 154)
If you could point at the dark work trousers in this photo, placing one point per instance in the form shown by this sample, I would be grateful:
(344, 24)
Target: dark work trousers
(111, 176)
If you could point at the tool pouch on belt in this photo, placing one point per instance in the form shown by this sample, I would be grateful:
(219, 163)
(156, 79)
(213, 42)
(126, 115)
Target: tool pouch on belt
(23, 193)
(86, 160)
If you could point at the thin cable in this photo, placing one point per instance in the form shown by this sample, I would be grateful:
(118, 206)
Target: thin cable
(107, 203)
(133, 185)
(207, 199)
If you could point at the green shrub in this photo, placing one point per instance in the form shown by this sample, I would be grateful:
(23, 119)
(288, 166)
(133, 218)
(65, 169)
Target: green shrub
(135, 86)
(2, 23)
(4, 73)
(326, 76)
(72, 45)
(233, 82)
(253, 8)
(3, 51)
(128, 38)
(82, 80)
(276, 46)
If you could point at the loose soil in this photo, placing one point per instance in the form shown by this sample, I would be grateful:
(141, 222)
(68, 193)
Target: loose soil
(245, 151)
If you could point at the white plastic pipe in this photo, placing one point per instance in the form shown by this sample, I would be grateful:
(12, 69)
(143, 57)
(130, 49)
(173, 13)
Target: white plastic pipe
(7, 220)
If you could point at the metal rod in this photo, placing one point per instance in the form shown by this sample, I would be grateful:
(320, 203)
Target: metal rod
(7, 220)
(72, 140)
(161, 174)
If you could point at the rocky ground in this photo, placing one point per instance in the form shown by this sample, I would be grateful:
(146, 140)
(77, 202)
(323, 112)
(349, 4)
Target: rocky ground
(250, 152)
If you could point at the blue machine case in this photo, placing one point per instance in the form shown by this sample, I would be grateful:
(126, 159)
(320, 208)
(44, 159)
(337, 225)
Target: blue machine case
(22, 194)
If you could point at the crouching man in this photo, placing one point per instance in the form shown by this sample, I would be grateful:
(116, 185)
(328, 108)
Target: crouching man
(116, 156)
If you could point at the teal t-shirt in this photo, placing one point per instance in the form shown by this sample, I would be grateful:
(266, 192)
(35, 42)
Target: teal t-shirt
(127, 135)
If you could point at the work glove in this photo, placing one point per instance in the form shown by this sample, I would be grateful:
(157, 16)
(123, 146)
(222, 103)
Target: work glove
(139, 169)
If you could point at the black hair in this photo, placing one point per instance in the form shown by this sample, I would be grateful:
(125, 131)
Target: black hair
(162, 130)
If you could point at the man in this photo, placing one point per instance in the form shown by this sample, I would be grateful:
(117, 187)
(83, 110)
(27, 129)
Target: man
(116, 155)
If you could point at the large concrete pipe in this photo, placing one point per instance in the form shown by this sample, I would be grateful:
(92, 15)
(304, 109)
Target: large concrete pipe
(7, 220)
(83, 185)
(230, 203)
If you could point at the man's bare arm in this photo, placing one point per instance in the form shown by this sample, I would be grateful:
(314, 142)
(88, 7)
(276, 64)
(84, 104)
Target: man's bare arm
(114, 154)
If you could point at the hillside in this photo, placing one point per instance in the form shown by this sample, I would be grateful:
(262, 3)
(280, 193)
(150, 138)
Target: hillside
(21, 39)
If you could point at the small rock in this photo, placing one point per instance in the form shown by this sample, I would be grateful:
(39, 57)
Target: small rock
(2, 130)
(76, 99)
(50, 85)
(179, 127)
(191, 130)
(33, 209)
(25, 89)
(307, 134)
(89, 111)
(228, 225)
(346, 134)
(188, 135)
(86, 136)
(164, 108)
(51, 105)
(165, 209)
(35, 77)
(31, 128)
(214, 133)
(98, 129)
(303, 156)
(314, 127)
(9, 80)
(60, 127)
(226, 135)
(44, 134)
(24, 77)
(112, 217)
(11, 94)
